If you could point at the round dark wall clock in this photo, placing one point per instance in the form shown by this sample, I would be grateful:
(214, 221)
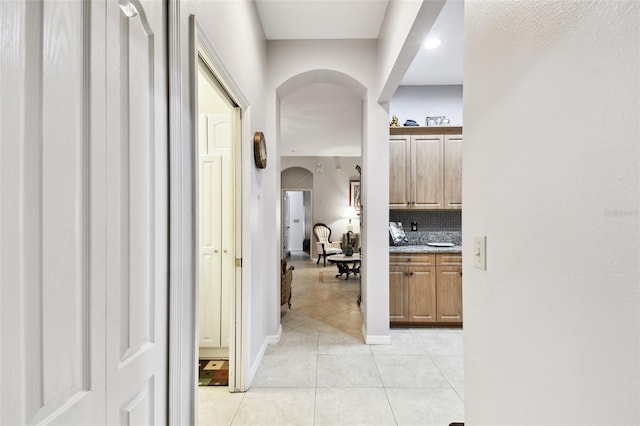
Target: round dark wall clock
(260, 150)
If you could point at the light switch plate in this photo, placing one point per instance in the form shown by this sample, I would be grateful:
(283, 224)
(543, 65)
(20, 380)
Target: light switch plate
(480, 252)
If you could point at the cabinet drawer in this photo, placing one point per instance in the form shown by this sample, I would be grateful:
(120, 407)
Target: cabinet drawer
(412, 259)
(444, 259)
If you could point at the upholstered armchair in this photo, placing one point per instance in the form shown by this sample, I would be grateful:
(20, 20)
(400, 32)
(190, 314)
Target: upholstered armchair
(324, 245)
(286, 277)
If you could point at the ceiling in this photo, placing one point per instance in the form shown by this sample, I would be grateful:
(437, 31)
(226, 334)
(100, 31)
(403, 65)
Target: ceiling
(324, 119)
(443, 65)
(321, 19)
(362, 19)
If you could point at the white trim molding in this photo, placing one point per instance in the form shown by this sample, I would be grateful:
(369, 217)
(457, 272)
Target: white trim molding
(375, 340)
(182, 380)
(263, 349)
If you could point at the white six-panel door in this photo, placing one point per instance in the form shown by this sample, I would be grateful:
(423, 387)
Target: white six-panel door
(136, 187)
(51, 227)
(216, 229)
(83, 213)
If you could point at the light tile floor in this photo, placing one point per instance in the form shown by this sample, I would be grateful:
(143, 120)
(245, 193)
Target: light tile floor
(322, 373)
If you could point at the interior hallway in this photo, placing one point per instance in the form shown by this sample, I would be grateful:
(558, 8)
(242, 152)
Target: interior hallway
(321, 372)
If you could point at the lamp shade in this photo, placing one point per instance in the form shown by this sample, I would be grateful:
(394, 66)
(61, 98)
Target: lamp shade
(350, 213)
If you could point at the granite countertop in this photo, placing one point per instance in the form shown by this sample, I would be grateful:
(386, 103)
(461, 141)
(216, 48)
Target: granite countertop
(424, 249)
(417, 242)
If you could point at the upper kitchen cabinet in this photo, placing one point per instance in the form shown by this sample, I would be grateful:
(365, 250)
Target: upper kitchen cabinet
(399, 171)
(425, 168)
(453, 171)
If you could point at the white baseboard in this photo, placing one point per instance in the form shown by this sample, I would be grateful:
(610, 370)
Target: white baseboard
(276, 338)
(267, 341)
(375, 340)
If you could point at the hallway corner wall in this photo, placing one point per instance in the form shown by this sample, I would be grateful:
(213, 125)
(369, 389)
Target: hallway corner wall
(551, 178)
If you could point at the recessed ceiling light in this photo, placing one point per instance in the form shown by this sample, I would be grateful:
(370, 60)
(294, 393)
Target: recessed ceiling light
(432, 43)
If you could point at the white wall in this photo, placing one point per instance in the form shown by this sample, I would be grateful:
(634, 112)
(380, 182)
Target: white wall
(321, 119)
(419, 102)
(296, 178)
(233, 27)
(552, 124)
(308, 217)
(330, 191)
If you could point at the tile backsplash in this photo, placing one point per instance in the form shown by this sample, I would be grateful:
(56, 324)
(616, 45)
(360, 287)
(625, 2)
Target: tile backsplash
(438, 220)
(433, 226)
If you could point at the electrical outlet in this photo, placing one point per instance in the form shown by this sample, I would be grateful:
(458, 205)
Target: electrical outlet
(480, 252)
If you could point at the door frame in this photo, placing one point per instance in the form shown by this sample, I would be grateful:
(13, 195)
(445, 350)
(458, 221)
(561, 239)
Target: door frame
(197, 198)
(283, 192)
(201, 48)
(183, 300)
(283, 214)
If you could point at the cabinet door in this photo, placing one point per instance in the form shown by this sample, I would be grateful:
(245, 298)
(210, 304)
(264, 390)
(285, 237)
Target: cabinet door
(421, 285)
(453, 172)
(399, 172)
(449, 294)
(397, 294)
(427, 172)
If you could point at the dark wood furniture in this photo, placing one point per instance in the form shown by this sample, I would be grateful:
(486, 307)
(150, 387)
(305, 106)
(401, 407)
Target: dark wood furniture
(347, 265)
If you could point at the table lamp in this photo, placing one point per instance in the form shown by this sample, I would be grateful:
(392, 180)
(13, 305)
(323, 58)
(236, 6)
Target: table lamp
(350, 213)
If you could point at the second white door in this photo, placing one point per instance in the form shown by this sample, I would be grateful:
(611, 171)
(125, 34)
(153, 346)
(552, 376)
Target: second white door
(216, 212)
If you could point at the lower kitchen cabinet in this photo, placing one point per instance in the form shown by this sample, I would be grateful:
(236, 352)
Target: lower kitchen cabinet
(421, 294)
(398, 309)
(425, 289)
(449, 294)
(412, 293)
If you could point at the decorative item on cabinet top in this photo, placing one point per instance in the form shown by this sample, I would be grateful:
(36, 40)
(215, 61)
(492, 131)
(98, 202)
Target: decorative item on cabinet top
(426, 130)
(438, 121)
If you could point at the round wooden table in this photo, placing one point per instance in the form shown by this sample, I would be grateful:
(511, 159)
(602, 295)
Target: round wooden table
(346, 264)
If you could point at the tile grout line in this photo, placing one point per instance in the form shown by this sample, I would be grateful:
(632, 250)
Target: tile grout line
(315, 390)
(235, 414)
(445, 377)
(386, 394)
